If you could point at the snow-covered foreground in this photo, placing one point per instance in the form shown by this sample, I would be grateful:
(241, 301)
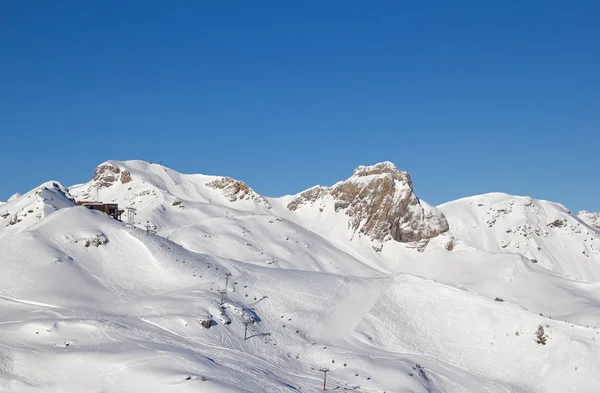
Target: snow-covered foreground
(88, 303)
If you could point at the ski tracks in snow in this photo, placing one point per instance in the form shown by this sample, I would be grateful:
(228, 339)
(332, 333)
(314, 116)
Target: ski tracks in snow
(355, 298)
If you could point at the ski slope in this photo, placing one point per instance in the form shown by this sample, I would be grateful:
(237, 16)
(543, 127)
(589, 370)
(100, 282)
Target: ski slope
(88, 303)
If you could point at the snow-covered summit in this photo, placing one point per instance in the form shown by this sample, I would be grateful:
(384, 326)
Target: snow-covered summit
(542, 231)
(379, 168)
(14, 197)
(380, 203)
(591, 219)
(22, 211)
(146, 185)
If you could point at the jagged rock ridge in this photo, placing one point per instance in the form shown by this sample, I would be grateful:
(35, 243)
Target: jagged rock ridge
(381, 204)
(107, 174)
(236, 190)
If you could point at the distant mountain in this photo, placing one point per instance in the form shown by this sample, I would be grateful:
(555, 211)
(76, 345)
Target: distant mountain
(544, 232)
(380, 203)
(141, 184)
(376, 201)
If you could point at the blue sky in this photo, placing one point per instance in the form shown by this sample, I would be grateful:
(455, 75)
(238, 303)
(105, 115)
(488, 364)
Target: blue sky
(468, 96)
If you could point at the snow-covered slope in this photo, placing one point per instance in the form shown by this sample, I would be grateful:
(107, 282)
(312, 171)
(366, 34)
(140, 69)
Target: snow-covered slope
(544, 232)
(88, 303)
(591, 219)
(215, 215)
(22, 211)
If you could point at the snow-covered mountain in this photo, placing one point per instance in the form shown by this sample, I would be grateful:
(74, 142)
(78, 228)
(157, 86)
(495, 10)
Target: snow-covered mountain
(591, 219)
(147, 186)
(22, 211)
(486, 294)
(377, 201)
(543, 232)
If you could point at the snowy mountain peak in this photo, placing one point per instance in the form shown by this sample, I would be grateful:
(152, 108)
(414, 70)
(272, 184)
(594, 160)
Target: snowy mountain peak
(20, 212)
(380, 203)
(591, 219)
(237, 190)
(544, 232)
(14, 197)
(162, 195)
(377, 169)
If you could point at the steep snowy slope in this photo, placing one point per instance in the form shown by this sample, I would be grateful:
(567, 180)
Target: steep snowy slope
(591, 219)
(544, 232)
(91, 304)
(22, 211)
(81, 294)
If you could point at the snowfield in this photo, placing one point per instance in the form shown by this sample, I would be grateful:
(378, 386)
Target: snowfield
(237, 293)
(542, 231)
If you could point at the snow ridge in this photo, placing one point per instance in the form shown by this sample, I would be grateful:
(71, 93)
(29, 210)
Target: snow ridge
(543, 232)
(22, 211)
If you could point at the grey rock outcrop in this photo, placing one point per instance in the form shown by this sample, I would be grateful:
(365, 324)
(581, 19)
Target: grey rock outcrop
(381, 204)
(107, 174)
(236, 190)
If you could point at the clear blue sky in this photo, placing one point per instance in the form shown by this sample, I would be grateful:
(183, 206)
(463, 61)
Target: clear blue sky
(468, 96)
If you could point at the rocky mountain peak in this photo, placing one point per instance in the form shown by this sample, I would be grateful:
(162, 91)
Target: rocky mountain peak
(236, 190)
(107, 174)
(380, 203)
(381, 168)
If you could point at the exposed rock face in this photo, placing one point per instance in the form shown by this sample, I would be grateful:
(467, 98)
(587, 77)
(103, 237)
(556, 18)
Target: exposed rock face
(125, 177)
(381, 204)
(310, 195)
(559, 223)
(591, 219)
(107, 174)
(237, 190)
